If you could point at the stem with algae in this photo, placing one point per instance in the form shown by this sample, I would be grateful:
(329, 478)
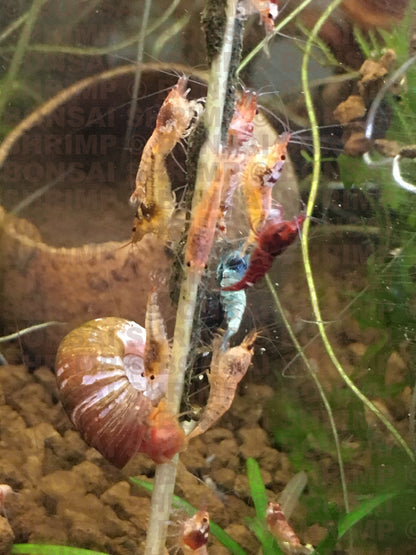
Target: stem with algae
(305, 235)
(166, 473)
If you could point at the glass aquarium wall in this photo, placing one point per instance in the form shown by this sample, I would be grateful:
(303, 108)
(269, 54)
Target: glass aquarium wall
(207, 277)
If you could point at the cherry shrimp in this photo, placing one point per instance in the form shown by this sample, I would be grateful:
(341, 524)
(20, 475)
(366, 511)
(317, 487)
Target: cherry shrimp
(156, 350)
(153, 194)
(276, 236)
(286, 537)
(203, 225)
(194, 534)
(165, 436)
(261, 173)
(227, 370)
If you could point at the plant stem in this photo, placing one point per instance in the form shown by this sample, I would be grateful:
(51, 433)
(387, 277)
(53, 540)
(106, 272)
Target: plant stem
(138, 74)
(164, 482)
(19, 54)
(319, 388)
(305, 235)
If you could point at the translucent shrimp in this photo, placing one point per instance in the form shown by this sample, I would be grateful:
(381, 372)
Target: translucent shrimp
(202, 230)
(154, 215)
(260, 175)
(229, 271)
(156, 350)
(194, 534)
(227, 370)
(286, 537)
(153, 193)
(268, 10)
(241, 144)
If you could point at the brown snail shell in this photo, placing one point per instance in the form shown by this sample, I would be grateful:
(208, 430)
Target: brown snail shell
(115, 407)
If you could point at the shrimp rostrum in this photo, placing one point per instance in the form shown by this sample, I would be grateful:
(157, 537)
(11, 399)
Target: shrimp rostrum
(227, 370)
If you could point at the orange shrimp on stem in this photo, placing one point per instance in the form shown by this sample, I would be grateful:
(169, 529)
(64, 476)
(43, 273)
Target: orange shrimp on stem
(202, 230)
(227, 370)
(153, 194)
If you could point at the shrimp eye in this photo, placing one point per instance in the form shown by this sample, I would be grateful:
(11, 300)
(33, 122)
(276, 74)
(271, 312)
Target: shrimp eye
(283, 158)
(269, 15)
(188, 264)
(152, 377)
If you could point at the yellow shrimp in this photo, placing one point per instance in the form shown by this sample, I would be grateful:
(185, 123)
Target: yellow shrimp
(154, 215)
(153, 193)
(202, 229)
(227, 370)
(261, 173)
(156, 351)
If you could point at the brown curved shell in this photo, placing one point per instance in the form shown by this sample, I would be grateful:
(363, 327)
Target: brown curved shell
(97, 391)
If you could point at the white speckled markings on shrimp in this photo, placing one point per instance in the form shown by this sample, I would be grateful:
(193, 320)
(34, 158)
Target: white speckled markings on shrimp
(227, 370)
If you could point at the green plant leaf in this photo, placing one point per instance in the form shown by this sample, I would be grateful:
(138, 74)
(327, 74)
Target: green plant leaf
(257, 489)
(259, 496)
(216, 530)
(349, 520)
(45, 549)
(360, 512)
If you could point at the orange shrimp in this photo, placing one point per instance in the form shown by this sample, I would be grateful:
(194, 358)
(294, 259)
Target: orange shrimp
(153, 194)
(202, 229)
(154, 215)
(156, 350)
(261, 173)
(172, 121)
(240, 145)
(194, 534)
(227, 370)
(278, 525)
(241, 126)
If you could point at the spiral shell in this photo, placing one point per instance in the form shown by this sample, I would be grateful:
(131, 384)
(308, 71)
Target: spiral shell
(104, 390)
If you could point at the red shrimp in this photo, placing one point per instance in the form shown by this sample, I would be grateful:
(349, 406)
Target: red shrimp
(286, 537)
(276, 236)
(194, 534)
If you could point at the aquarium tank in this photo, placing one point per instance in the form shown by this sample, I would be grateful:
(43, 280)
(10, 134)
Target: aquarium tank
(207, 277)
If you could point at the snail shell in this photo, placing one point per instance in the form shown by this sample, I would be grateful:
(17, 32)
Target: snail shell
(104, 390)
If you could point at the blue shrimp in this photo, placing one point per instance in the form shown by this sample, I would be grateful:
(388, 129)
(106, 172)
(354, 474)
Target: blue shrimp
(230, 270)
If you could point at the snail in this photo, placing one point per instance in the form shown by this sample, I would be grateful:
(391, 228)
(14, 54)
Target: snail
(111, 401)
